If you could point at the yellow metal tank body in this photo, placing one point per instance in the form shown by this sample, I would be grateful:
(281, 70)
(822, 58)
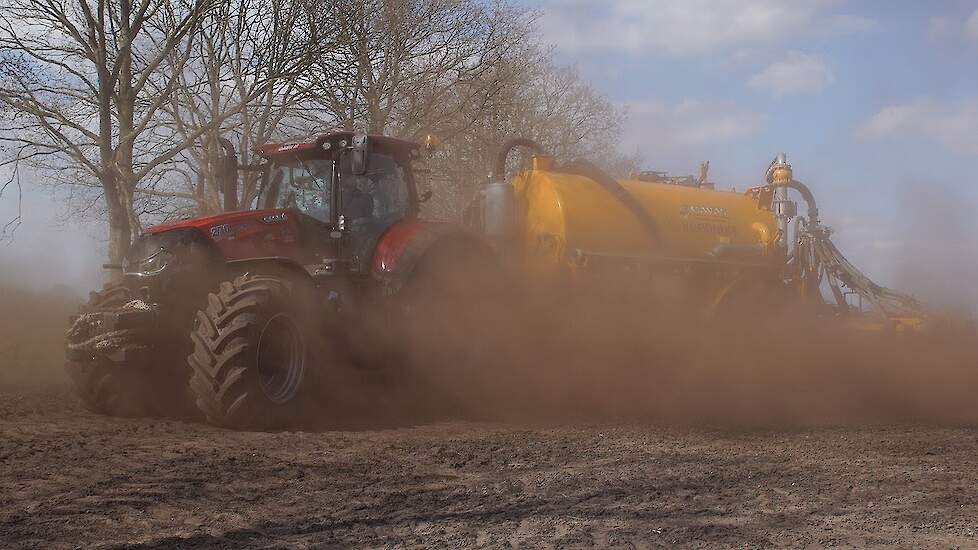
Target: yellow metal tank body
(568, 220)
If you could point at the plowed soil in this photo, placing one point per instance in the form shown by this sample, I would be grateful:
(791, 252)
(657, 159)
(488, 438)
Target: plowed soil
(71, 479)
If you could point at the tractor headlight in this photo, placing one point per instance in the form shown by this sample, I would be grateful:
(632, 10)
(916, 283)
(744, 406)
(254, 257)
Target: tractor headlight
(154, 253)
(150, 265)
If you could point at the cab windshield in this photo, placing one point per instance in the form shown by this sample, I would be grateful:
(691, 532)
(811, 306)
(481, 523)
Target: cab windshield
(304, 185)
(307, 185)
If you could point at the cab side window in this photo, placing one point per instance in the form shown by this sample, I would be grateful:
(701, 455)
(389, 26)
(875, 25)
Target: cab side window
(380, 193)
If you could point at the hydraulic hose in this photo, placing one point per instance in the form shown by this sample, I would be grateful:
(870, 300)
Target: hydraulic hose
(499, 168)
(611, 185)
(589, 170)
(806, 194)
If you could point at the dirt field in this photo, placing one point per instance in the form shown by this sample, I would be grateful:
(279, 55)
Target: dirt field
(71, 479)
(901, 468)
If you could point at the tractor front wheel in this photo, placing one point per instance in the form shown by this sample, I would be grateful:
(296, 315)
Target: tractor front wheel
(253, 349)
(114, 388)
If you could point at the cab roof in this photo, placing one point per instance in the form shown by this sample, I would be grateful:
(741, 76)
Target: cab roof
(270, 150)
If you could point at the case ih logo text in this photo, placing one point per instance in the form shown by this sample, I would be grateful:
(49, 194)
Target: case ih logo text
(220, 231)
(687, 210)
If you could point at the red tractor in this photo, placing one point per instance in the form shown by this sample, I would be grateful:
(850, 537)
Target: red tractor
(266, 303)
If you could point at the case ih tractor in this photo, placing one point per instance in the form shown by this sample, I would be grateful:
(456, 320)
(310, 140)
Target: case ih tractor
(256, 298)
(243, 317)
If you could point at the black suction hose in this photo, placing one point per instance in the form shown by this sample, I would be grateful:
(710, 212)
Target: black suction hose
(499, 168)
(611, 185)
(806, 194)
(588, 170)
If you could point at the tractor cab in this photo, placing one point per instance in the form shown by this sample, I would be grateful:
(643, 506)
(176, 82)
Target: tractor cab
(347, 188)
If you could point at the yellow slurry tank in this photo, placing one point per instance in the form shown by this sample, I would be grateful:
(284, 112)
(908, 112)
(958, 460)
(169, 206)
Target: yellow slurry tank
(721, 249)
(570, 216)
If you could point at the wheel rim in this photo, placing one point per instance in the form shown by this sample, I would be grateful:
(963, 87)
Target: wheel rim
(281, 358)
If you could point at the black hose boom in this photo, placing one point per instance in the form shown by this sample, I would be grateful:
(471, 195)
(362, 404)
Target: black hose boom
(806, 194)
(499, 168)
(611, 185)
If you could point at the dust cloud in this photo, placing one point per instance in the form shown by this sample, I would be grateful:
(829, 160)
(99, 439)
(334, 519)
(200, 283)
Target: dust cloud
(933, 248)
(32, 326)
(629, 351)
(626, 351)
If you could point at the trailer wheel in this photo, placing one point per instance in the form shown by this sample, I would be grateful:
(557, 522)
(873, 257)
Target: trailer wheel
(253, 345)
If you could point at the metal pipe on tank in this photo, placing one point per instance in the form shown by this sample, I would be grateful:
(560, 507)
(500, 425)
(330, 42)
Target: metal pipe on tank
(780, 176)
(499, 208)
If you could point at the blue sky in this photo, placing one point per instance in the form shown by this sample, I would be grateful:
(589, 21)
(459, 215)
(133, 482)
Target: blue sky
(875, 102)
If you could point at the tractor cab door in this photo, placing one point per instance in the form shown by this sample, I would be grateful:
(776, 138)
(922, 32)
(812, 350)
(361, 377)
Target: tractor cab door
(370, 203)
(306, 187)
(343, 214)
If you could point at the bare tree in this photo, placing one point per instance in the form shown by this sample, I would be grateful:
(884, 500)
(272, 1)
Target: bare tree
(467, 71)
(396, 62)
(10, 186)
(134, 97)
(543, 101)
(92, 88)
(250, 57)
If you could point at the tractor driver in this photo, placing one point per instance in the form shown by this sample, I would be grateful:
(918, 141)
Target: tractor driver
(380, 194)
(357, 196)
(309, 190)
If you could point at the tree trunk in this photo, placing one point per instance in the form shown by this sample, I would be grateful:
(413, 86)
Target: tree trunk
(120, 228)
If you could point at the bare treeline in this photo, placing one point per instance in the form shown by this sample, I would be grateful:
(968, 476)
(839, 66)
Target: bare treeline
(130, 99)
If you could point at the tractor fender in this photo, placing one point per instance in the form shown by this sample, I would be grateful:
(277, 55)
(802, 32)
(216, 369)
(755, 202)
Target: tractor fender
(405, 246)
(270, 265)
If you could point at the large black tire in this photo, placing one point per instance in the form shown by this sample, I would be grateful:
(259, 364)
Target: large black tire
(106, 387)
(253, 350)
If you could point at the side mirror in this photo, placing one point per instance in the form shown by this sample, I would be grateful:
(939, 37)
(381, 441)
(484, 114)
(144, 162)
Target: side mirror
(359, 155)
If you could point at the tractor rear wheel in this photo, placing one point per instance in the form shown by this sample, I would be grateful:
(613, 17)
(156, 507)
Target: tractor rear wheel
(253, 349)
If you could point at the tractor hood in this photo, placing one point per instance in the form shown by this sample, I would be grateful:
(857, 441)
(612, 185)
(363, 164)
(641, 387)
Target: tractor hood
(242, 235)
(206, 223)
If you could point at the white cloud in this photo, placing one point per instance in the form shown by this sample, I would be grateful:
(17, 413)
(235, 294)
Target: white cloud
(799, 73)
(687, 26)
(971, 27)
(848, 24)
(954, 125)
(940, 27)
(945, 27)
(654, 126)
